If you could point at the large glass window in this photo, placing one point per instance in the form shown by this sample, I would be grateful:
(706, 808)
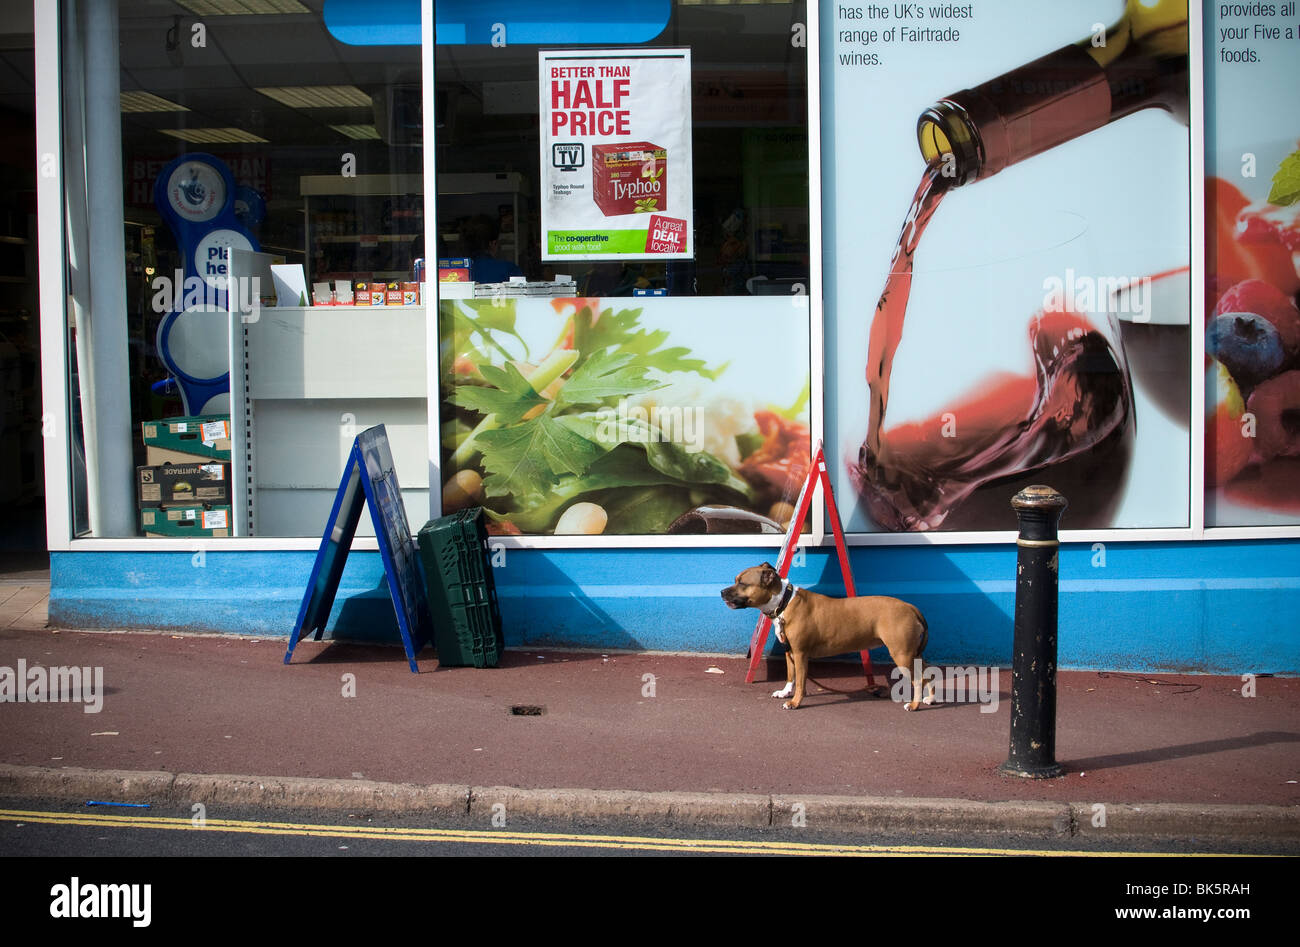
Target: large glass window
(624, 250)
(248, 156)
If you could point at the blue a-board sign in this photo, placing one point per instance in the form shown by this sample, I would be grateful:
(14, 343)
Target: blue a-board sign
(369, 478)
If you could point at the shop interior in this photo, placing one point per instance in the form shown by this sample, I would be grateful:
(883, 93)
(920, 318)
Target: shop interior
(22, 478)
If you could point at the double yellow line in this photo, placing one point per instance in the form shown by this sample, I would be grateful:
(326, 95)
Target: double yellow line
(504, 837)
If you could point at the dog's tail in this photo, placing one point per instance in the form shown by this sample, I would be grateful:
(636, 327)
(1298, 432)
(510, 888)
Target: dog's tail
(925, 631)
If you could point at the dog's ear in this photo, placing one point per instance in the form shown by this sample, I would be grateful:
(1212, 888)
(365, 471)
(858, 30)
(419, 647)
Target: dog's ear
(769, 575)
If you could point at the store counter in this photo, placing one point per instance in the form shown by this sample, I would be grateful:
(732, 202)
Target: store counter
(312, 379)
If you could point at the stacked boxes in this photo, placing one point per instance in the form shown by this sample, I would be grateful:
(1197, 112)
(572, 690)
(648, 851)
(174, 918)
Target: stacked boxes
(185, 488)
(403, 293)
(187, 440)
(183, 485)
(187, 521)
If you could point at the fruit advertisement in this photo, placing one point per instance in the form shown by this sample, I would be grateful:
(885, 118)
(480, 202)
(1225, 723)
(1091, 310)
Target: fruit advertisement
(1008, 231)
(615, 154)
(1252, 260)
(644, 416)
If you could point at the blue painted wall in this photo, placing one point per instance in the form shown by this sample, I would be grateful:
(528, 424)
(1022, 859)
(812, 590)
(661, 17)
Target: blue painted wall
(1229, 607)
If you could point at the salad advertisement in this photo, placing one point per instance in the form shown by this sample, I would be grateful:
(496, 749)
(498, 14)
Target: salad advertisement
(643, 416)
(1007, 223)
(616, 154)
(1252, 262)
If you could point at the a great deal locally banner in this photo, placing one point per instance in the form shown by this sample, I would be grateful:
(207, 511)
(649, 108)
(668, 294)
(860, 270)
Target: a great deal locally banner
(616, 154)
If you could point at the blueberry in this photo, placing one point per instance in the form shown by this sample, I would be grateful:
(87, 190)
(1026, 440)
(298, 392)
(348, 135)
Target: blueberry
(1248, 346)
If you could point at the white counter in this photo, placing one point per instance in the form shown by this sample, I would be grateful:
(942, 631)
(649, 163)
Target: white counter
(312, 378)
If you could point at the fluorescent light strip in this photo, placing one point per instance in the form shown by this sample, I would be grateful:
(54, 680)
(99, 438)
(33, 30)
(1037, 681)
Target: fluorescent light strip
(318, 96)
(358, 132)
(148, 102)
(242, 7)
(212, 136)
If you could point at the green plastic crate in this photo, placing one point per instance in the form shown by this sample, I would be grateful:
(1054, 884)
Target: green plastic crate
(461, 590)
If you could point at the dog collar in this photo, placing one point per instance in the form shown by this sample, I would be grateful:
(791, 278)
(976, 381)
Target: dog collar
(786, 595)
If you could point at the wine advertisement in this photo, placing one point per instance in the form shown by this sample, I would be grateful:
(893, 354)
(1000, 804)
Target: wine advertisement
(616, 154)
(1006, 200)
(1252, 261)
(644, 416)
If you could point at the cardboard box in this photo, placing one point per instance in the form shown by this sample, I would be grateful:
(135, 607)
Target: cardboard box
(453, 270)
(629, 178)
(183, 485)
(187, 440)
(187, 522)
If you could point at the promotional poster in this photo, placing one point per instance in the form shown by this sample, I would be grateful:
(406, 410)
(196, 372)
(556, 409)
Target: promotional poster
(1007, 234)
(1252, 260)
(643, 416)
(616, 154)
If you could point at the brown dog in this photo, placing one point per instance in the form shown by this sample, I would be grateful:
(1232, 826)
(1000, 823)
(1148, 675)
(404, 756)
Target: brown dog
(815, 626)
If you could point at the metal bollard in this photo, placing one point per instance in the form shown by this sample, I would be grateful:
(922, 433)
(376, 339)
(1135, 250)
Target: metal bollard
(1033, 669)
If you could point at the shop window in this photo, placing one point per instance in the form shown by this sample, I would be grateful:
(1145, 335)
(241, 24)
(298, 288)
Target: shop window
(627, 190)
(256, 162)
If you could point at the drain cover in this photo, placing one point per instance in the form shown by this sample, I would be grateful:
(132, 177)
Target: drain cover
(527, 710)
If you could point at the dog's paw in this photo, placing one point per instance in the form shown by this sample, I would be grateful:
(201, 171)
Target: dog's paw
(911, 706)
(788, 705)
(787, 691)
(929, 699)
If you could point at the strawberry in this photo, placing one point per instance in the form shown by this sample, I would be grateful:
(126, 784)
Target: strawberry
(1227, 253)
(1266, 223)
(1276, 406)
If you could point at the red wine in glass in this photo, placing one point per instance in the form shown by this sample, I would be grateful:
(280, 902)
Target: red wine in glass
(1074, 414)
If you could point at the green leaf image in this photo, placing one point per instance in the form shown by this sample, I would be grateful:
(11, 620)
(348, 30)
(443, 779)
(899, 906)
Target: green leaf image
(1286, 182)
(510, 399)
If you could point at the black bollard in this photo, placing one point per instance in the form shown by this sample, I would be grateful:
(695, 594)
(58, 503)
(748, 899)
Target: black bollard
(1033, 668)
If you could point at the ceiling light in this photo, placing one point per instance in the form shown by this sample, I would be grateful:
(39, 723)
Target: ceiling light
(148, 102)
(212, 136)
(318, 96)
(242, 7)
(358, 132)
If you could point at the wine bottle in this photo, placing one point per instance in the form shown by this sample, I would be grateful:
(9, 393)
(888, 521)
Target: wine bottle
(1139, 62)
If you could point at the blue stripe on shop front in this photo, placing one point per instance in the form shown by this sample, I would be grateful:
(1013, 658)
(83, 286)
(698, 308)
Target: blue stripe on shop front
(498, 22)
(1221, 607)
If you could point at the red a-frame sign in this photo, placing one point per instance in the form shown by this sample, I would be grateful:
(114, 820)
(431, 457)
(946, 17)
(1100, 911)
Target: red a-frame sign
(816, 473)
